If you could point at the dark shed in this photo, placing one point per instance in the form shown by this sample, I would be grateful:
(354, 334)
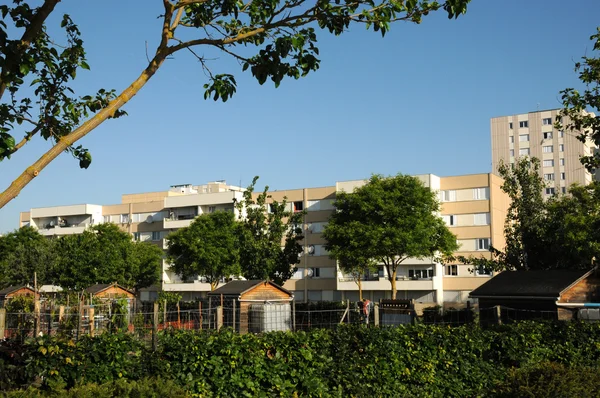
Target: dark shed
(549, 294)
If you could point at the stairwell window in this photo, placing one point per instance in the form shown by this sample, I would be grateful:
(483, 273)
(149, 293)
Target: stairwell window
(483, 244)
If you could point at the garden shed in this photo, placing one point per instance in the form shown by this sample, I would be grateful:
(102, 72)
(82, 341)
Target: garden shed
(254, 306)
(14, 291)
(109, 291)
(548, 294)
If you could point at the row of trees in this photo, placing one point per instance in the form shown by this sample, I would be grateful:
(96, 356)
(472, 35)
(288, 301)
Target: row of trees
(102, 254)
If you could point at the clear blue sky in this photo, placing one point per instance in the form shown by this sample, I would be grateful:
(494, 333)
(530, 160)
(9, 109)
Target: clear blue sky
(417, 101)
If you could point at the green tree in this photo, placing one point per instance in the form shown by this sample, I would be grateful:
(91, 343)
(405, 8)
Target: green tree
(348, 241)
(395, 218)
(273, 39)
(269, 237)
(23, 253)
(558, 233)
(208, 248)
(575, 116)
(106, 254)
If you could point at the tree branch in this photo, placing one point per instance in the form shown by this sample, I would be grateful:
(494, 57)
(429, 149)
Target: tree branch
(34, 28)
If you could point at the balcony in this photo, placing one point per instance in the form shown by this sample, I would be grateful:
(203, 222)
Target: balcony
(176, 222)
(60, 231)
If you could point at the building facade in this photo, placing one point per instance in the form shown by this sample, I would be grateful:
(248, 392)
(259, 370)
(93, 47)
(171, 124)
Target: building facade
(533, 135)
(473, 207)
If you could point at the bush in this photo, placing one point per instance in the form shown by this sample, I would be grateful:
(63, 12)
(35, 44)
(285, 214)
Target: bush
(120, 388)
(549, 379)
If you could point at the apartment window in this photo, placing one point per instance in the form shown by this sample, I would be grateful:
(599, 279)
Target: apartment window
(449, 196)
(562, 161)
(523, 137)
(550, 191)
(512, 153)
(562, 176)
(156, 235)
(523, 124)
(561, 134)
(548, 135)
(212, 209)
(548, 148)
(106, 218)
(420, 273)
(450, 220)
(298, 206)
(481, 193)
(124, 218)
(481, 270)
(549, 177)
(510, 125)
(511, 139)
(451, 270)
(481, 219)
(136, 236)
(561, 148)
(524, 151)
(547, 121)
(483, 244)
(563, 189)
(549, 163)
(271, 208)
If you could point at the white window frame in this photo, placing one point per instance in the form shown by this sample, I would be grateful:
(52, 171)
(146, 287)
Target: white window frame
(451, 270)
(549, 176)
(548, 163)
(481, 219)
(482, 193)
(562, 161)
(448, 195)
(156, 236)
(523, 124)
(562, 176)
(512, 153)
(547, 121)
(449, 219)
(511, 139)
(561, 147)
(125, 218)
(524, 152)
(547, 135)
(523, 137)
(548, 148)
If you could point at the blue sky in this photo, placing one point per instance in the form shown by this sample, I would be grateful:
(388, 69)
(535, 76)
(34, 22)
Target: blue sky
(417, 101)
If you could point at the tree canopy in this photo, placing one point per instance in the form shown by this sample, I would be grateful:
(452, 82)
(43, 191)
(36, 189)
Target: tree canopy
(102, 254)
(273, 39)
(208, 248)
(269, 237)
(575, 115)
(389, 220)
(560, 232)
(23, 253)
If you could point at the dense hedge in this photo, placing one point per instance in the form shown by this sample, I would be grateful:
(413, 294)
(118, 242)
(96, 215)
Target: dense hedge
(417, 361)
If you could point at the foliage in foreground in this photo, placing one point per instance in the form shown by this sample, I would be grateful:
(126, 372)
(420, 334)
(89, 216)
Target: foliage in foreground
(348, 361)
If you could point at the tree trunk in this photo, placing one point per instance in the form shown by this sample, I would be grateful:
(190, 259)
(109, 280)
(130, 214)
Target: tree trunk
(359, 283)
(392, 279)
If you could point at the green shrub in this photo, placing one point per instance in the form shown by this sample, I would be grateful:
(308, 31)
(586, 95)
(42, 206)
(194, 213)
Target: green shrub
(121, 388)
(550, 379)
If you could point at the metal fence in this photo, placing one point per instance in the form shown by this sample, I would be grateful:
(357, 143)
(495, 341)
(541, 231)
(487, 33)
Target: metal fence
(150, 318)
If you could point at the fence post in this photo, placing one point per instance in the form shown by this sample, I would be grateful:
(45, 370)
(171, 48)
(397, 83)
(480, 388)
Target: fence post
(165, 313)
(376, 314)
(294, 315)
(200, 312)
(80, 314)
(154, 325)
(91, 315)
(233, 314)
(498, 314)
(219, 317)
(2, 322)
(36, 311)
(348, 310)
(61, 313)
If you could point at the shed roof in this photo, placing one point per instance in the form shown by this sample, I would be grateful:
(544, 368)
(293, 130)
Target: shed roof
(12, 289)
(538, 283)
(100, 287)
(241, 287)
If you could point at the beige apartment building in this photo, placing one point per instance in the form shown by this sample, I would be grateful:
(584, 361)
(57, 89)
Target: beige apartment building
(473, 206)
(533, 135)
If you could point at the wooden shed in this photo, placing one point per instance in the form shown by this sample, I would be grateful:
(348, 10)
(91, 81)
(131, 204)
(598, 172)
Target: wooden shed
(254, 306)
(109, 292)
(14, 291)
(549, 294)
